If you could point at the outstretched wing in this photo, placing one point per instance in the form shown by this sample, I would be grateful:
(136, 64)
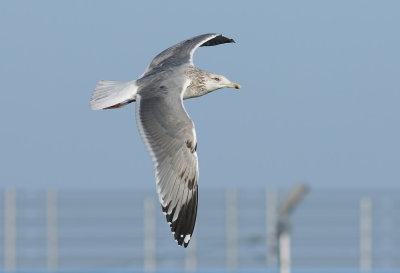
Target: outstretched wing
(183, 52)
(170, 137)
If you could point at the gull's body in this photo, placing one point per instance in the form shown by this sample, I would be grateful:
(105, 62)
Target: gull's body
(165, 127)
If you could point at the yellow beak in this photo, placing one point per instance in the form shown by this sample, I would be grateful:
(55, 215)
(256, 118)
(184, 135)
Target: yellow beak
(234, 85)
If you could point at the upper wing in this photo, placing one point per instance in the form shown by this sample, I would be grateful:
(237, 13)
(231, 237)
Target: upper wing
(183, 52)
(170, 137)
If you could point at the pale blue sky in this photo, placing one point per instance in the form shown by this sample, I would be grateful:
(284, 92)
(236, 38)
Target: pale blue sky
(320, 98)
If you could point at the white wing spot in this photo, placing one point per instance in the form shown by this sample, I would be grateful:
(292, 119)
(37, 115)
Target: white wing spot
(187, 238)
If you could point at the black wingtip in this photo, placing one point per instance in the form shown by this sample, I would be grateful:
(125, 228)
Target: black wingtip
(220, 39)
(182, 228)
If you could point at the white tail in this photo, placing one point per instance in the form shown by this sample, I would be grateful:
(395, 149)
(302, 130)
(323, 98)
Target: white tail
(113, 94)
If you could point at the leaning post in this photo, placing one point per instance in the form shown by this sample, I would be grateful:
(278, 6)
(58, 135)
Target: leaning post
(285, 209)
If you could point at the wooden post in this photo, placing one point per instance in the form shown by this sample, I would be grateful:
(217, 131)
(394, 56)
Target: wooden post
(231, 229)
(149, 235)
(284, 252)
(191, 259)
(52, 230)
(286, 208)
(271, 225)
(10, 230)
(365, 234)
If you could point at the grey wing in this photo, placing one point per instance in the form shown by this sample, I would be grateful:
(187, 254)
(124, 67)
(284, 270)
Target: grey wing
(183, 52)
(169, 135)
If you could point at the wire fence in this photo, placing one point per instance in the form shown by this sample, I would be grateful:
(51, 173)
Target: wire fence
(60, 230)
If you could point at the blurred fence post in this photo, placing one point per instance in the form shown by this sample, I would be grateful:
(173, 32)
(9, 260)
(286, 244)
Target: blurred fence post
(365, 234)
(52, 229)
(231, 229)
(271, 224)
(10, 230)
(191, 259)
(149, 235)
(284, 252)
(285, 209)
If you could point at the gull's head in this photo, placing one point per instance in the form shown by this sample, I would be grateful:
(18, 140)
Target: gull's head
(215, 81)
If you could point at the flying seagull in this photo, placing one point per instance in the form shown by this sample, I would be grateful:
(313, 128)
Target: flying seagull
(164, 125)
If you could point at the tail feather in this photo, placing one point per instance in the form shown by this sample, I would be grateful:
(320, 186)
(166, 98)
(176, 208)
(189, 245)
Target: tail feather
(113, 94)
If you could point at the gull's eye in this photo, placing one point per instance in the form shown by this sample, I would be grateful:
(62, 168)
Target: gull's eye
(216, 79)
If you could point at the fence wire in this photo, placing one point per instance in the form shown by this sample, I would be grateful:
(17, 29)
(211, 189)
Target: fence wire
(125, 230)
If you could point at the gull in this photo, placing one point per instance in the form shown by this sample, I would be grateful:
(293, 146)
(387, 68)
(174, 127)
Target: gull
(165, 126)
